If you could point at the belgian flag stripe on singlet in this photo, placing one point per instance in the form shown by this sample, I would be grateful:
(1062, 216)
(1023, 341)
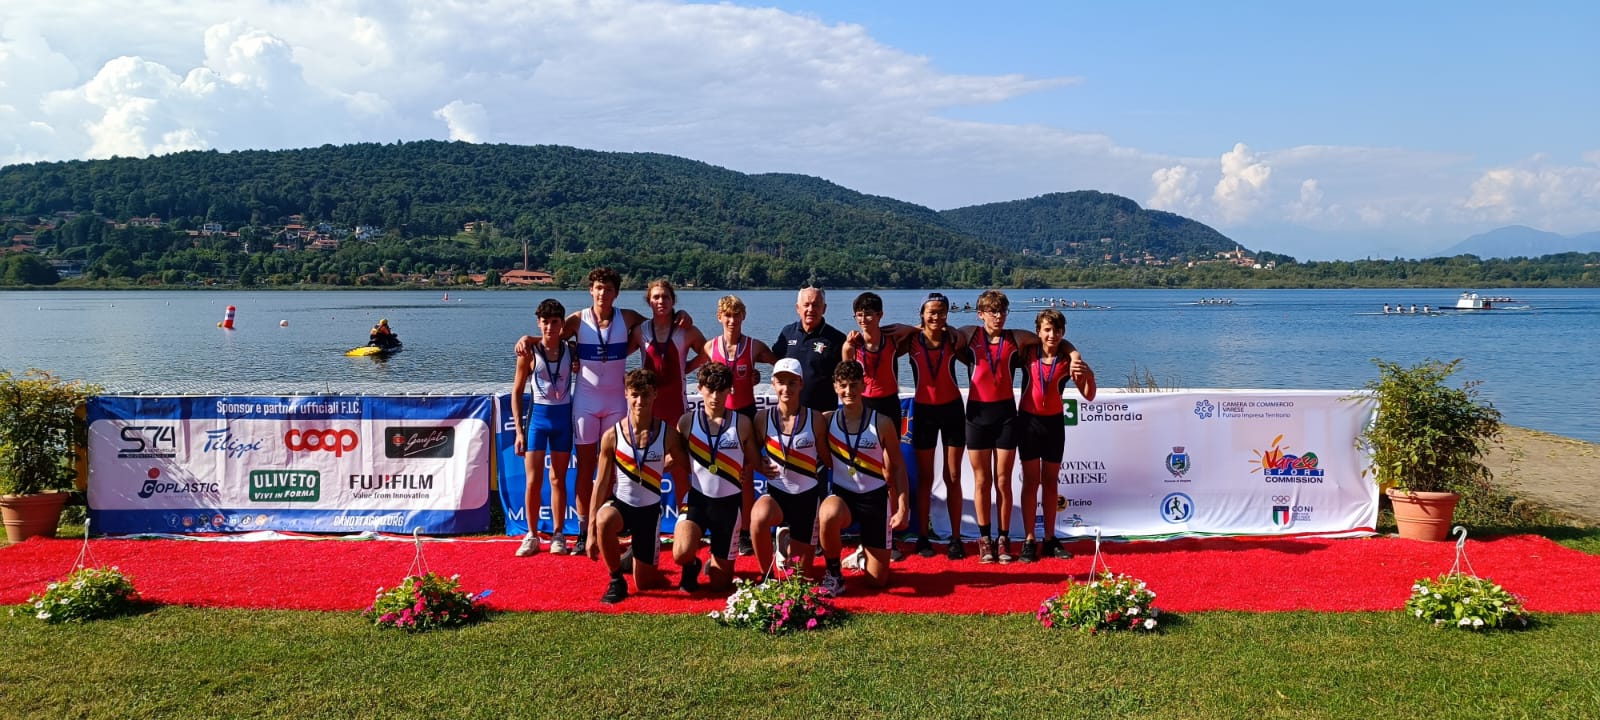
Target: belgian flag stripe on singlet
(646, 476)
(726, 468)
(796, 460)
(864, 464)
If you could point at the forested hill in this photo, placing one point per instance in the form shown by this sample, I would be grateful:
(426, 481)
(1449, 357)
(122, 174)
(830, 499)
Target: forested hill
(645, 214)
(1088, 225)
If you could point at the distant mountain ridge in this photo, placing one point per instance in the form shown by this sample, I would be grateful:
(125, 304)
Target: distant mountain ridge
(1088, 224)
(1522, 241)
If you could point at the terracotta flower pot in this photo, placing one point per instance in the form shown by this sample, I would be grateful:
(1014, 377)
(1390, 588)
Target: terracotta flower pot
(1424, 515)
(29, 515)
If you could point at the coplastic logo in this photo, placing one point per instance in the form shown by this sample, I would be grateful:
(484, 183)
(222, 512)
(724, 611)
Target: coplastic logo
(337, 442)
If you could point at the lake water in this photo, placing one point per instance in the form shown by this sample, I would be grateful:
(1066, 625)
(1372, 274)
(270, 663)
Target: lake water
(1537, 365)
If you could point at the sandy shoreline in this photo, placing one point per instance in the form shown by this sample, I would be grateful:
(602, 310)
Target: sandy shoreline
(1554, 471)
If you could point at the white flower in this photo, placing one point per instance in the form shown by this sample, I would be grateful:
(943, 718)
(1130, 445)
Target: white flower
(1149, 623)
(52, 586)
(1437, 596)
(39, 605)
(1419, 612)
(715, 615)
(1133, 611)
(1464, 622)
(1477, 622)
(65, 601)
(43, 615)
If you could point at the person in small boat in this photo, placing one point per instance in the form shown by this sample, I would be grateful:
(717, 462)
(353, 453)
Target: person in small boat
(1386, 308)
(382, 337)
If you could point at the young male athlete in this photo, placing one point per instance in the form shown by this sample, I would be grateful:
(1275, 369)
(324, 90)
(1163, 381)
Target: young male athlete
(721, 488)
(877, 351)
(740, 353)
(1046, 370)
(665, 346)
(869, 484)
(792, 449)
(994, 353)
(635, 453)
(545, 426)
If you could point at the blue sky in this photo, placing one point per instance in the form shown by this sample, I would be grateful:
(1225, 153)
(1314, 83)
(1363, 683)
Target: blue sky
(1350, 130)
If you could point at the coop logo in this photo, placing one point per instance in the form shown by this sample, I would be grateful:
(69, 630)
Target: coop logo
(1177, 508)
(1277, 466)
(419, 442)
(285, 486)
(1069, 412)
(225, 442)
(1204, 409)
(155, 484)
(337, 442)
(1178, 464)
(148, 442)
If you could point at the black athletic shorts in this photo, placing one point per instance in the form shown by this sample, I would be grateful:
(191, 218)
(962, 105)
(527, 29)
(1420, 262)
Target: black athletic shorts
(644, 524)
(928, 422)
(887, 406)
(870, 513)
(990, 426)
(718, 516)
(799, 511)
(1040, 437)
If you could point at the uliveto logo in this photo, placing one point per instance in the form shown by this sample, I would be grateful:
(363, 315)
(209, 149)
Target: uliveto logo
(337, 442)
(419, 442)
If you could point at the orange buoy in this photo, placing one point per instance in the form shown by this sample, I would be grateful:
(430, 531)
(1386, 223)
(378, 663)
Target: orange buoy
(227, 320)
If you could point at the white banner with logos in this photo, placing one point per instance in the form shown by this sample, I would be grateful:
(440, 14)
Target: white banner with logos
(1206, 462)
(335, 463)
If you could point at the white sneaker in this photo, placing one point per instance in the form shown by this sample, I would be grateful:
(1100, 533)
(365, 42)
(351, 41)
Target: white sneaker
(857, 560)
(780, 544)
(831, 585)
(529, 546)
(558, 544)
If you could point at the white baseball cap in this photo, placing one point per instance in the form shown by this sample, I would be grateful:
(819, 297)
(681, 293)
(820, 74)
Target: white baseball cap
(787, 365)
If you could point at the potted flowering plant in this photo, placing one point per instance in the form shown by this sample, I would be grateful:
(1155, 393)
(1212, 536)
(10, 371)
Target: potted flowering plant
(86, 594)
(782, 604)
(1463, 601)
(40, 433)
(1107, 602)
(424, 602)
(1428, 443)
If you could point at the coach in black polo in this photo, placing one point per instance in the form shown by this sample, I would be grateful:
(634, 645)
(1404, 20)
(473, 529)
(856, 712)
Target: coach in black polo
(816, 344)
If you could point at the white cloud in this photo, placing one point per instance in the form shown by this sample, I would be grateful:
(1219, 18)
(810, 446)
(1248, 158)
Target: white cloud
(1243, 184)
(467, 121)
(1539, 193)
(1174, 191)
(1308, 207)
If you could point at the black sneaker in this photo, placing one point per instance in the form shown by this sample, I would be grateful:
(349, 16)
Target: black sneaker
(626, 564)
(925, 546)
(745, 548)
(957, 550)
(616, 592)
(1030, 551)
(895, 555)
(581, 547)
(690, 581)
(1052, 548)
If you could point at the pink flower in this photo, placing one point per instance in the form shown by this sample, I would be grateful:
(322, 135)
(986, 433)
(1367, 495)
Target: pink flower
(811, 624)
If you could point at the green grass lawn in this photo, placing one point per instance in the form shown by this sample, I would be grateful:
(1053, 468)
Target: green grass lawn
(183, 662)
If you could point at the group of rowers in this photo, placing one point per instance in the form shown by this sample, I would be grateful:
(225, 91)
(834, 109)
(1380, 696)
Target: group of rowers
(1401, 310)
(829, 448)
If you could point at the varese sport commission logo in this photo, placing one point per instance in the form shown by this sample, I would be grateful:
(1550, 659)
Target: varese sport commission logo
(1277, 466)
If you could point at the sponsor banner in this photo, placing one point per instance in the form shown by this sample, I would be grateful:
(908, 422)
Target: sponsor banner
(298, 463)
(1229, 462)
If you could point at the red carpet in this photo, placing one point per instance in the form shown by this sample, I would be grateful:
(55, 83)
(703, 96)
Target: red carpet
(1261, 575)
